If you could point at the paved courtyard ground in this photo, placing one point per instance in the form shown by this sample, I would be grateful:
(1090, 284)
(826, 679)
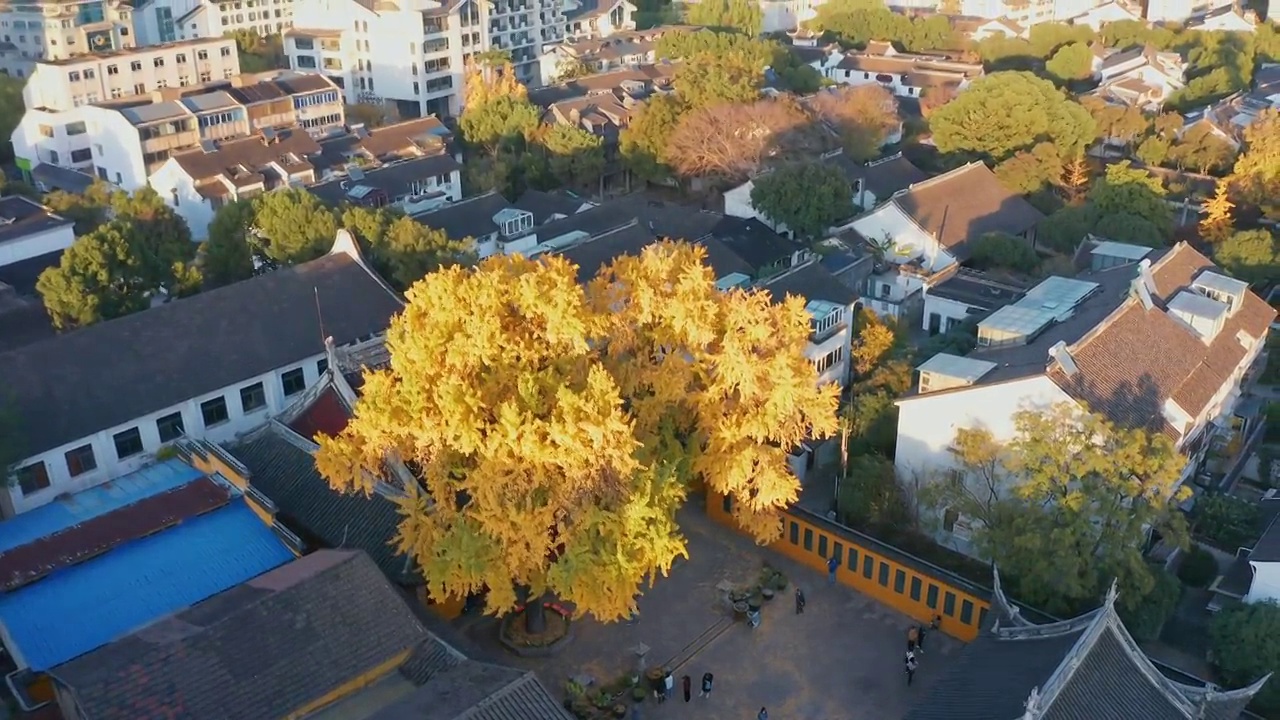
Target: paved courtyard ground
(841, 660)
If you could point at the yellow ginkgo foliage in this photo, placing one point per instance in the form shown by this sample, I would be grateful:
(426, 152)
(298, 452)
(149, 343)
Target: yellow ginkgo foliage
(554, 432)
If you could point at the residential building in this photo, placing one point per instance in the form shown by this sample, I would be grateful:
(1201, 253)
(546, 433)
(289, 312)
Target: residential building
(1232, 115)
(32, 238)
(1141, 77)
(1226, 18)
(1164, 342)
(601, 54)
(124, 141)
(1108, 12)
(1179, 11)
(548, 207)
(869, 183)
(407, 165)
(165, 21)
(903, 74)
(412, 56)
(99, 402)
(85, 569)
(978, 29)
(603, 105)
(920, 235)
(968, 296)
(1025, 14)
(1087, 667)
(93, 77)
(1254, 575)
(584, 19)
(40, 32)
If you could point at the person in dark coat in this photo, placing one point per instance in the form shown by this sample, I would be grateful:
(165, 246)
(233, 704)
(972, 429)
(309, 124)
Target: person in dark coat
(799, 601)
(763, 715)
(921, 631)
(913, 636)
(688, 687)
(911, 667)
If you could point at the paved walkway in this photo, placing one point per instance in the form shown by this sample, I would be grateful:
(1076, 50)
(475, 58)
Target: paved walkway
(841, 660)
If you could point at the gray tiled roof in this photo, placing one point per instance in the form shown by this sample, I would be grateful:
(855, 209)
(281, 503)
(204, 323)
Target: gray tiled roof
(283, 467)
(1087, 668)
(22, 217)
(472, 690)
(469, 218)
(599, 251)
(396, 179)
(545, 205)
(263, 649)
(811, 282)
(95, 378)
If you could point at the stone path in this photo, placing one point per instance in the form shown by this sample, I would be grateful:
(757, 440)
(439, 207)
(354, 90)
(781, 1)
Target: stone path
(841, 660)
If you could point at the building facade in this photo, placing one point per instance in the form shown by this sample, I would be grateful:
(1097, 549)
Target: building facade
(165, 21)
(101, 401)
(412, 56)
(124, 141)
(58, 31)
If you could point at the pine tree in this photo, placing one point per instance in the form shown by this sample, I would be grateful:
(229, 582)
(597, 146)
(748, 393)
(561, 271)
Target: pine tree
(1075, 180)
(1216, 225)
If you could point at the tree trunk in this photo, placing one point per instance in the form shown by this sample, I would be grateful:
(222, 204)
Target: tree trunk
(535, 615)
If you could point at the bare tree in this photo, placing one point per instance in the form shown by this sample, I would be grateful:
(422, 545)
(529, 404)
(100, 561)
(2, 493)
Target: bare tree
(863, 115)
(935, 97)
(731, 142)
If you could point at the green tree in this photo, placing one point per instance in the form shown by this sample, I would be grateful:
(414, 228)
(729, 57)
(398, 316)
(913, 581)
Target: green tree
(292, 226)
(1064, 506)
(870, 498)
(1251, 255)
(741, 15)
(101, 276)
(1030, 171)
(503, 120)
(227, 256)
(410, 250)
(259, 53)
(643, 141)
(1002, 251)
(575, 156)
(1002, 113)
(1257, 170)
(1128, 190)
(88, 209)
(1154, 150)
(1245, 642)
(1144, 616)
(1071, 62)
(807, 198)
(1201, 149)
(705, 80)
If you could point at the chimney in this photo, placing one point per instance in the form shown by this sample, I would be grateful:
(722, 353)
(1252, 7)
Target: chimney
(1144, 274)
(1062, 355)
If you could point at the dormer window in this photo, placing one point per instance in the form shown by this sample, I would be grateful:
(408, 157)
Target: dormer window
(513, 223)
(824, 316)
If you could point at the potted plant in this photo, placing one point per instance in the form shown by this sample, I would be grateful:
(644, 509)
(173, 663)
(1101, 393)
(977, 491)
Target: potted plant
(767, 593)
(637, 694)
(619, 710)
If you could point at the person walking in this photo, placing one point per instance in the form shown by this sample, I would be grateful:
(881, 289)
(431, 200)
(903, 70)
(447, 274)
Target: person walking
(913, 634)
(668, 684)
(763, 715)
(832, 564)
(935, 622)
(799, 601)
(920, 639)
(707, 678)
(688, 687)
(911, 667)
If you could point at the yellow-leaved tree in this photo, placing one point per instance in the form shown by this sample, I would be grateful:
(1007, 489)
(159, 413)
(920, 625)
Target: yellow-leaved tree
(555, 431)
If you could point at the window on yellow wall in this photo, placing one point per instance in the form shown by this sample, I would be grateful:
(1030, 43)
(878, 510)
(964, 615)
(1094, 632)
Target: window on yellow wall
(838, 553)
(949, 604)
(884, 574)
(822, 545)
(868, 566)
(808, 538)
(915, 588)
(982, 617)
(899, 582)
(966, 612)
(795, 533)
(853, 560)
(932, 599)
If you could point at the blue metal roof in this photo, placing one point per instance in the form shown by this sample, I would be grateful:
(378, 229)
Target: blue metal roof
(86, 606)
(113, 495)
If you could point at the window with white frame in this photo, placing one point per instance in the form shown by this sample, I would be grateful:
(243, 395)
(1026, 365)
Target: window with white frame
(830, 360)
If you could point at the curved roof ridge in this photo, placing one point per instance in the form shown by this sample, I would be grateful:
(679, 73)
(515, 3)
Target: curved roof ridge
(1097, 624)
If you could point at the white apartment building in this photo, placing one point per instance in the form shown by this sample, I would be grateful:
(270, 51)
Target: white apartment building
(44, 31)
(1163, 341)
(126, 140)
(1178, 11)
(166, 21)
(1029, 13)
(95, 77)
(100, 402)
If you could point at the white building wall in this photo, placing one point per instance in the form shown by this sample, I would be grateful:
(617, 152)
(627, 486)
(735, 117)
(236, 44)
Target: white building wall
(179, 190)
(117, 149)
(1266, 583)
(161, 21)
(54, 31)
(52, 137)
(950, 312)
(36, 244)
(110, 467)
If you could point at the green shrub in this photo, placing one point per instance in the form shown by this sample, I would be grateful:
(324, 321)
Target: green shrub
(1245, 642)
(1198, 568)
(1227, 522)
(1145, 617)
